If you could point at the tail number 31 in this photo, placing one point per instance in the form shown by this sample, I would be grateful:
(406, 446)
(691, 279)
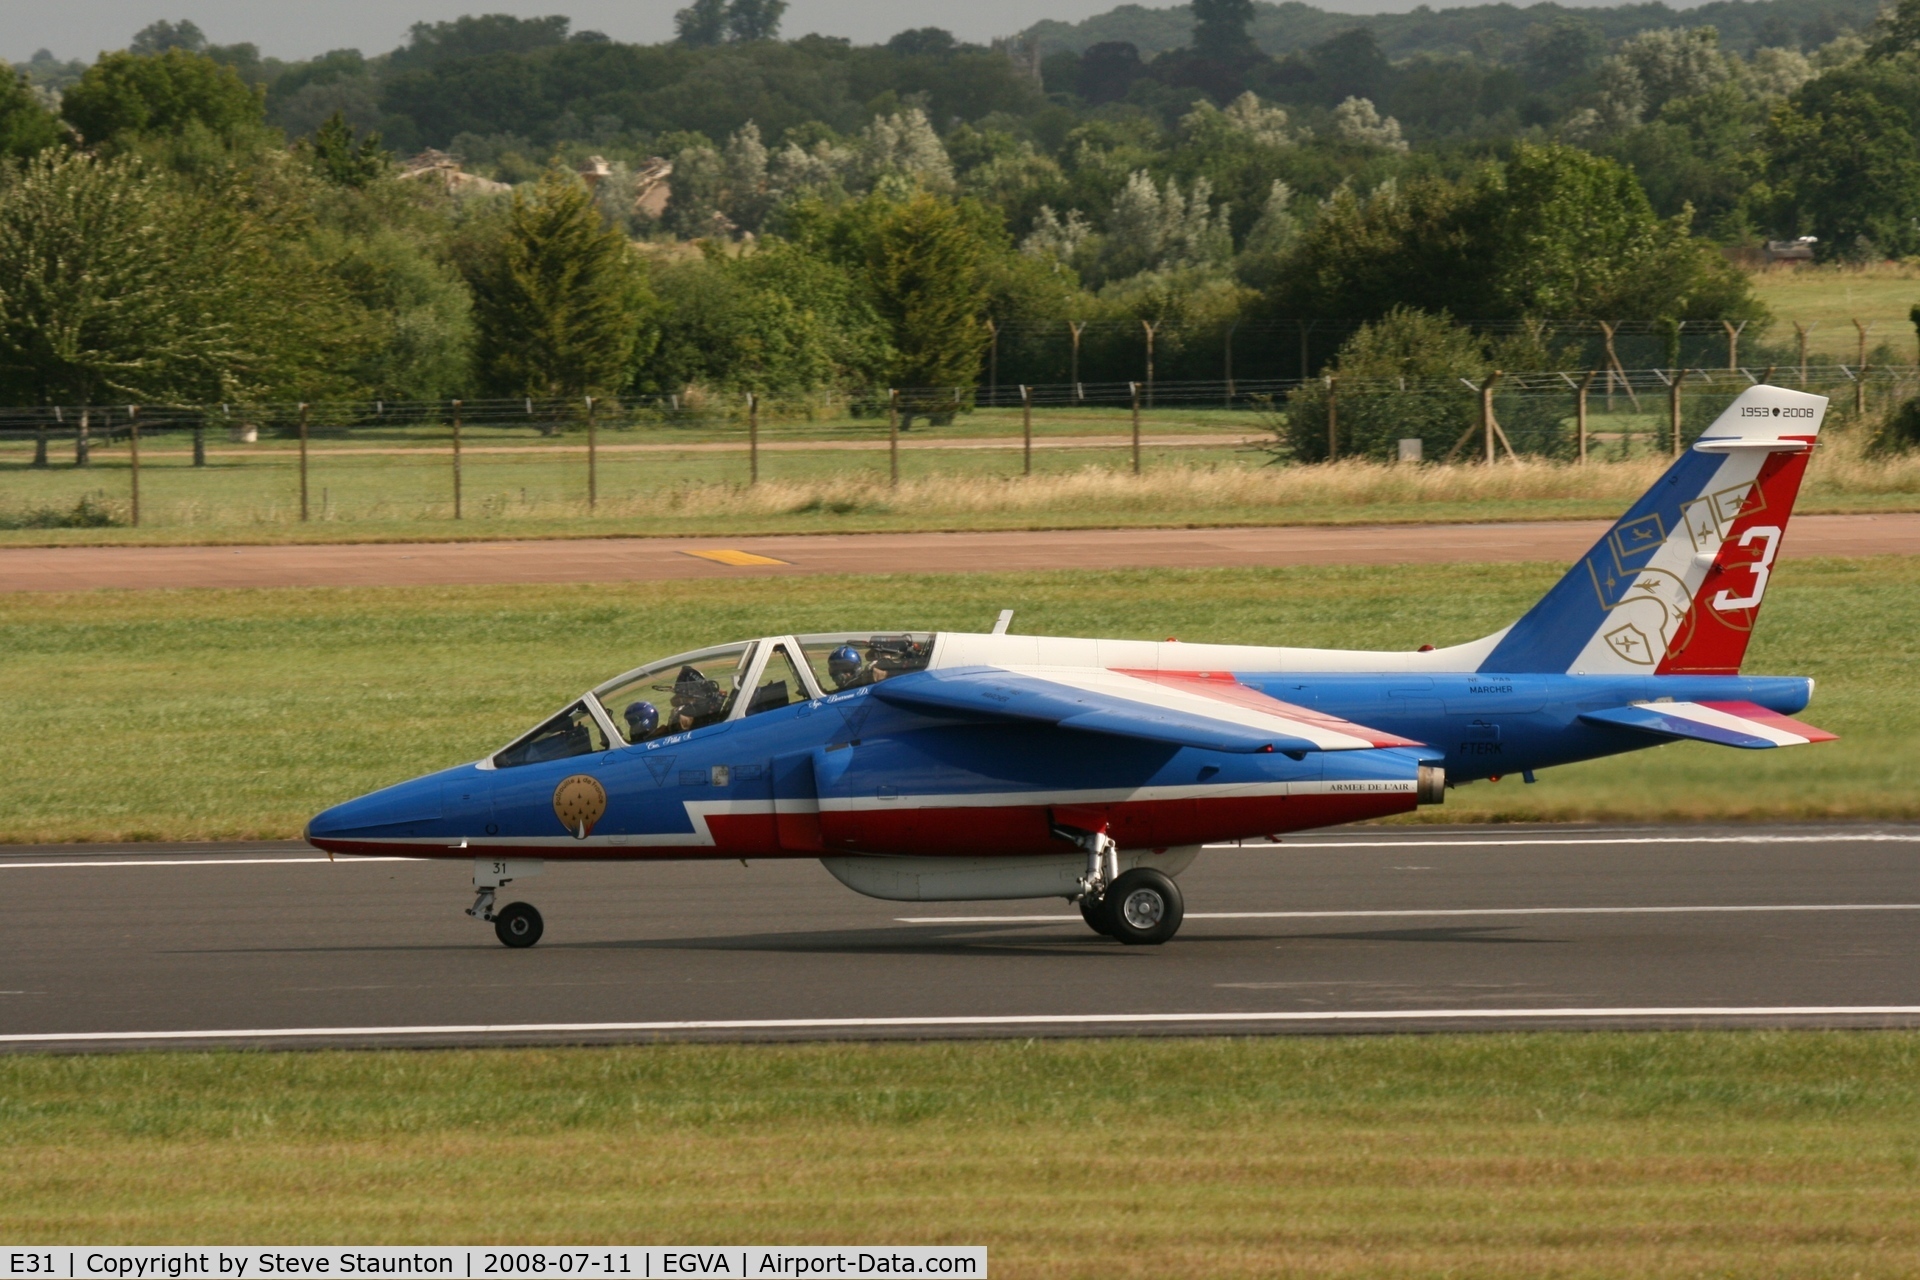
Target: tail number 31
(1762, 565)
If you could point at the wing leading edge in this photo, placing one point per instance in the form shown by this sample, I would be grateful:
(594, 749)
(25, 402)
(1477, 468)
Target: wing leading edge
(1212, 711)
(1729, 724)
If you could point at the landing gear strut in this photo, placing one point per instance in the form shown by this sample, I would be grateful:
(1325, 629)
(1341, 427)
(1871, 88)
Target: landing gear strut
(1143, 907)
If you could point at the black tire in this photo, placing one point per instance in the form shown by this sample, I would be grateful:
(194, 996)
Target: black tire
(1094, 912)
(518, 925)
(1144, 907)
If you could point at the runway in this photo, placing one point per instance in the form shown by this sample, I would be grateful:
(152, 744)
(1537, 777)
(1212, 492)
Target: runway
(658, 559)
(1361, 929)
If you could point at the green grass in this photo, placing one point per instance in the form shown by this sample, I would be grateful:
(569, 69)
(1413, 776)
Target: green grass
(227, 714)
(1832, 298)
(1749, 1154)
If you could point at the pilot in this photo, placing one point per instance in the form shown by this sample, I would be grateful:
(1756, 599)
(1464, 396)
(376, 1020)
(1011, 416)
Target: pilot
(643, 719)
(696, 700)
(844, 665)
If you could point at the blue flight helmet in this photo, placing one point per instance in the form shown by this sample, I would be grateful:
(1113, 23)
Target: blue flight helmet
(642, 719)
(844, 665)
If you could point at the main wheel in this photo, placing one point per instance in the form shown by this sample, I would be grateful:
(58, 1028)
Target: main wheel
(1094, 912)
(518, 924)
(1144, 907)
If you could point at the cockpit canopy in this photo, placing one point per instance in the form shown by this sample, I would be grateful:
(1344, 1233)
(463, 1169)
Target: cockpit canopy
(726, 682)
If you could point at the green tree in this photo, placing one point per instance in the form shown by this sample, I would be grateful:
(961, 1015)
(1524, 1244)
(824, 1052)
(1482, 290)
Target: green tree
(26, 126)
(1220, 28)
(702, 23)
(559, 302)
(125, 94)
(1843, 160)
(337, 157)
(158, 37)
(116, 283)
(749, 20)
(1399, 379)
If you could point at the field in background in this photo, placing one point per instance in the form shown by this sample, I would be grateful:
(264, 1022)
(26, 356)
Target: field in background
(1753, 1154)
(1830, 299)
(229, 714)
(1201, 467)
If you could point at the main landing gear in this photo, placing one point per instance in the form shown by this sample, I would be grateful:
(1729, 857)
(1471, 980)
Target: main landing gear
(1141, 907)
(517, 924)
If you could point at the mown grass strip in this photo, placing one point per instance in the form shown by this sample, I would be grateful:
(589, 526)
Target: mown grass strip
(1750, 1153)
(239, 714)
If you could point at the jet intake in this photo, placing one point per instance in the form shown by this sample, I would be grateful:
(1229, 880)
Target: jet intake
(1432, 785)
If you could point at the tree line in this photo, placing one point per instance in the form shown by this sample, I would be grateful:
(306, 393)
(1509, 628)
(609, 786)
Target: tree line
(911, 214)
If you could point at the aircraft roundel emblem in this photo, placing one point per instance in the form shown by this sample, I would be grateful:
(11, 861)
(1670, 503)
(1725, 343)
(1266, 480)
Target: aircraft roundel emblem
(579, 802)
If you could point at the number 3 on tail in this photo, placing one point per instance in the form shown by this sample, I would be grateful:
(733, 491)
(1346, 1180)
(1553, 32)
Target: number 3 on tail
(1726, 601)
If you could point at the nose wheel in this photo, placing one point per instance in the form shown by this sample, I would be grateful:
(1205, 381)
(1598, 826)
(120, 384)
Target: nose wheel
(518, 925)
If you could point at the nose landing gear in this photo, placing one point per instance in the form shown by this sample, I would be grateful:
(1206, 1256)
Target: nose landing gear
(517, 924)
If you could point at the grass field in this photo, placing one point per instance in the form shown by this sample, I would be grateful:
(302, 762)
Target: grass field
(226, 714)
(532, 490)
(1832, 298)
(1730, 1154)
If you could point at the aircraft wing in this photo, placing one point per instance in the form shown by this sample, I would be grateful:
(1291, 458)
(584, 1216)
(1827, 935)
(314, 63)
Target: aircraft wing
(1211, 710)
(1730, 724)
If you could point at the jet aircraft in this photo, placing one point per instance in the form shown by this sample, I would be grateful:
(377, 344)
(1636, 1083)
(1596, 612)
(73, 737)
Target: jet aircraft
(940, 767)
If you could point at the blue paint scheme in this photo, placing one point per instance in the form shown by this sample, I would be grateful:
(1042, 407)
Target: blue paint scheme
(1489, 723)
(1555, 630)
(1651, 719)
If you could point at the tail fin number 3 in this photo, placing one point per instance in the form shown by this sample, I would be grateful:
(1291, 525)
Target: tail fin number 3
(1726, 601)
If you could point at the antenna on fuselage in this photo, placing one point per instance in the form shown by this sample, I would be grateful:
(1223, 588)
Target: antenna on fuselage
(1001, 623)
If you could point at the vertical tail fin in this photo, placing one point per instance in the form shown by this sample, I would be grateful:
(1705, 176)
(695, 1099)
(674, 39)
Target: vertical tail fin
(1676, 584)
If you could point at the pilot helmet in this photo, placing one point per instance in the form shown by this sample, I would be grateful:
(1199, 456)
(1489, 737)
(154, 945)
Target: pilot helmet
(642, 718)
(844, 664)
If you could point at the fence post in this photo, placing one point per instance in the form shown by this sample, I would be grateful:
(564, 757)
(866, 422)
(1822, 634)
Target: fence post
(753, 438)
(1733, 344)
(1078, 327)
(1673, 408)
(133, 457)
(40, 444)
(993, 363)
(593, 458)
(1580, 412)
(1333, 418)
(200, 441)
(83, 439)
(893, 437)
(1800, 332)
(1863, 330)
(303, 462)
(1486, 411)
(1134, 387)
(1026, 429)
(1860, 394)
(1149, 328)
(1229, 369)
(456, 459)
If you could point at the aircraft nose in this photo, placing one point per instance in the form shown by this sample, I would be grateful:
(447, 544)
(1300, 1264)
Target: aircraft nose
(389, 811)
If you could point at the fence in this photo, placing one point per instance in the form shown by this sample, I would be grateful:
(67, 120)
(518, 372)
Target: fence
(465, 459)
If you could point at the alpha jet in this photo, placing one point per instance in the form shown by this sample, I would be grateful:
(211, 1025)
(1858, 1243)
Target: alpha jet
(921, 766)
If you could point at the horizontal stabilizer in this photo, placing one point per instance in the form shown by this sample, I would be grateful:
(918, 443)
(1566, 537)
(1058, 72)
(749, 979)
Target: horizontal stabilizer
(1730, 724)
(1231, 718)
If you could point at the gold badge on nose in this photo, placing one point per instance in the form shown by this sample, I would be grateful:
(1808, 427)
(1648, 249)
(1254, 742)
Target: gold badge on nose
(579, 802)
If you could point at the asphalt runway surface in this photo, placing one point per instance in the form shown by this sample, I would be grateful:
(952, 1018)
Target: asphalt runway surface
(1361, 929)
(657, 559)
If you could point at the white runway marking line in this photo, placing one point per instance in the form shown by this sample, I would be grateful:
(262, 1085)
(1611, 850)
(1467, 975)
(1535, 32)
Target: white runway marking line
(1874, 837)
(1714, 1012)
(1443, 911)
(198, 862)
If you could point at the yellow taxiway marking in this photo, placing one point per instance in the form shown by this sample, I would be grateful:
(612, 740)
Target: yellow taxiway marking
(727, 555)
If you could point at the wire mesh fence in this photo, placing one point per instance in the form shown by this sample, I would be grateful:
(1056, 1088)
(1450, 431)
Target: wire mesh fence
(532, 459)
